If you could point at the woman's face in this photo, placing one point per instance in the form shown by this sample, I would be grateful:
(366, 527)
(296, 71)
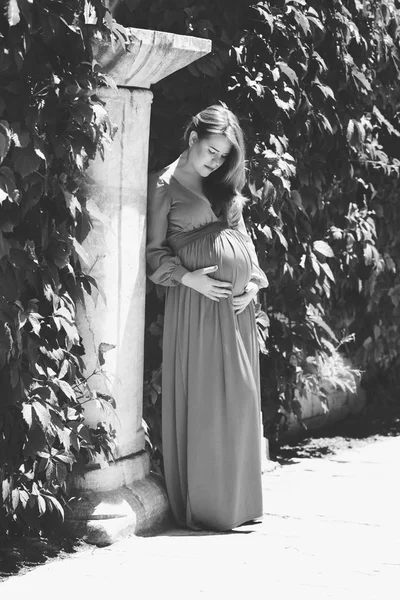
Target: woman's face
(208, 154)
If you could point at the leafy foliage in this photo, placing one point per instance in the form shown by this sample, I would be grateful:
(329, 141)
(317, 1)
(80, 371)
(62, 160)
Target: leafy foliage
(316, 86)
(52, 123)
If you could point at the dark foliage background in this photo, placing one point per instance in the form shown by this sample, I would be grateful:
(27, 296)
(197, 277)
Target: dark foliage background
(316, 86)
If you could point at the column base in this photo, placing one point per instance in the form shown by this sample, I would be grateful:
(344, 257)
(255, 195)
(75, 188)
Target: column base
(105, 517)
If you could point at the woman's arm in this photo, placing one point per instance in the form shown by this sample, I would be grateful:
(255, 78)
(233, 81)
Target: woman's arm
(163, 266)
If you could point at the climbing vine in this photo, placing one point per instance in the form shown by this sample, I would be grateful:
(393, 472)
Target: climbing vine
(52, 123)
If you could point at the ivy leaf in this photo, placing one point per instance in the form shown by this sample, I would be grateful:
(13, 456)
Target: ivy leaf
(5, 139)
(39, 152)
(81, 252)
(22, 259)
(35, 324)
(103, 348)
(315, 264)
(365, 84)
(318, 320)
(61, 472)
(65, 388)
(27, 413)
(20, 135)
(82, 112)
(107, 398)
(326, 91)
(25, 7)
(336, 233)
(43, 414)
(328, 271)
(302, 21)
(371, 254)
(35, 443)
(23, 497)
(13, 15)
(65, 457)
(32, 197)
(7, 184)
(95, 212)
(6, 342)
(26, 161)
(15, 498)
(267, 232)
(265, 15)
(296, 198)
(72, 203)
(281, 238)
(3, 191)
(316, 21)
(4, 246)
(324, 123)
(289, 72)
(64, 369)
(323, 248)
(52, 502)
(41, 505)
(6, 488)
(64, 435)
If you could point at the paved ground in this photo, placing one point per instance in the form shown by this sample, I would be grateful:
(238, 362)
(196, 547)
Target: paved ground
(331, 529)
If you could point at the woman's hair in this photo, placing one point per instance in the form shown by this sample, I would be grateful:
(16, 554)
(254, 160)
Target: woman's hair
(223, 186)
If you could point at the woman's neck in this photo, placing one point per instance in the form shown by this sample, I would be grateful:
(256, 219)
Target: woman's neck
(187, 174)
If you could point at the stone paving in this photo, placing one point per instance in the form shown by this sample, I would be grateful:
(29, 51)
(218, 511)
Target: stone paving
(331, 529)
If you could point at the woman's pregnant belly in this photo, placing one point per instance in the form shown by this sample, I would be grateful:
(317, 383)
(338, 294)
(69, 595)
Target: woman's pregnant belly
(227, 249)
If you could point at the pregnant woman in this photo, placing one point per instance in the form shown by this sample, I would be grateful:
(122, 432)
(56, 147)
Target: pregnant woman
(199, 249)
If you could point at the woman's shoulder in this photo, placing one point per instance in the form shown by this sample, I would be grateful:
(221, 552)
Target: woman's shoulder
(158, 188)
(161, 179)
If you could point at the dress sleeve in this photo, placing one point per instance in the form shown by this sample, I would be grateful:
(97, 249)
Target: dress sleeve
(236, 221)
(163, 266)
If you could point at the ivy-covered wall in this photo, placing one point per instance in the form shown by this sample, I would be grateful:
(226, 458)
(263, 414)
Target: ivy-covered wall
(51, 125)
(316, 86)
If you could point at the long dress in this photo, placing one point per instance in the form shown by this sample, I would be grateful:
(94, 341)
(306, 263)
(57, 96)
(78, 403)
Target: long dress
(210, 374)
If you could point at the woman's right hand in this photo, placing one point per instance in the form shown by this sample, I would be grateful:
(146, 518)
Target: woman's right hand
(212, 288)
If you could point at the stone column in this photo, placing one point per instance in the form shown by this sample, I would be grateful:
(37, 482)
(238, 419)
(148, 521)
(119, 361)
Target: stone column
(122, 498)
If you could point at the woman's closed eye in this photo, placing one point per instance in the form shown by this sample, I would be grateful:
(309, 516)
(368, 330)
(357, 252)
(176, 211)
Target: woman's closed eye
(213, 153)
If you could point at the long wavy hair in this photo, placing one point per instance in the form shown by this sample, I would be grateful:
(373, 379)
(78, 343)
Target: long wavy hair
(223, 187)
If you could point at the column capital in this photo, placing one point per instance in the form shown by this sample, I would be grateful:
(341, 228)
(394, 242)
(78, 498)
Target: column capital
(141, 57)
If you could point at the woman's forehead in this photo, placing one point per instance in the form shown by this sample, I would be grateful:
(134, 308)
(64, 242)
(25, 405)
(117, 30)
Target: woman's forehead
(219, 142)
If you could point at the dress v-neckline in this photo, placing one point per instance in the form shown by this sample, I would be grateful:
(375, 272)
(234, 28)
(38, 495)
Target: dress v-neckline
(204, 198)
(191, 191)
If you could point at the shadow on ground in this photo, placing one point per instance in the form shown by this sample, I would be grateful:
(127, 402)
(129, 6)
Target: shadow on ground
(354, 432)
(19, 554)
(245, 528)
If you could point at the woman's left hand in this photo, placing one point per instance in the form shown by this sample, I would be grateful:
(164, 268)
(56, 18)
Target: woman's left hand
(240, 302)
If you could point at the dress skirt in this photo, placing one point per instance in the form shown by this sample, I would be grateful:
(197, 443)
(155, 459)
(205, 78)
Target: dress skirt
(211, 399)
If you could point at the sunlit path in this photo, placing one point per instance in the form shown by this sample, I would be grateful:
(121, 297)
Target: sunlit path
(330, 530)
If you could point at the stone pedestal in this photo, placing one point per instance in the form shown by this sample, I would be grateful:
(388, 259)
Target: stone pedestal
(122, 497)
